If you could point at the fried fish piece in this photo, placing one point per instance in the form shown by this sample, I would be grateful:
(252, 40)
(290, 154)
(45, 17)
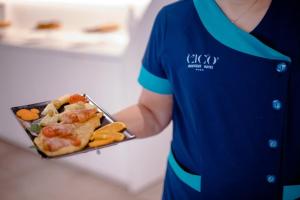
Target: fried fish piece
(112, 127)
(98, 143)
(116, 136)
(74, 116)
(62, 139)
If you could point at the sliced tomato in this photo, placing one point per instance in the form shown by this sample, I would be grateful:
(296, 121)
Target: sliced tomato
(77, 98)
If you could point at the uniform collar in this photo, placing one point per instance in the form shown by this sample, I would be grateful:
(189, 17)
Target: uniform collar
(227, 33)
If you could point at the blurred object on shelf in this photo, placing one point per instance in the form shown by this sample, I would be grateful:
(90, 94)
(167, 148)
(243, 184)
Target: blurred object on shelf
(105, 28)
(48, 25)
(2, 11)
(97, 27)
(4, 24)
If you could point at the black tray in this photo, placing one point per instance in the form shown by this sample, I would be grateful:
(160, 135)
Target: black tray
(106, 119)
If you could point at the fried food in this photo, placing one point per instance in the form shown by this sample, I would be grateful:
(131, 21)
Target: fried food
(114, 127)
(74, 128)
(34, 110)
(73, 116)
(108, 134)
(105, 138)
(50, 109)
(27, 115)
(105, 28)
(98, 143)
(116, 136)
(51, 25)
(74, 106)
(79, 106)
(109, 128)
(61, 101)
(49, 119)
(60, 139)
(4, 24)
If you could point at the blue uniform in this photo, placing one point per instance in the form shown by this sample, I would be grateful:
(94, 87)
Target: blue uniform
(236, 112)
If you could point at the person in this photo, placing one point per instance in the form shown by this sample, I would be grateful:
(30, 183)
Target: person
(227, 74)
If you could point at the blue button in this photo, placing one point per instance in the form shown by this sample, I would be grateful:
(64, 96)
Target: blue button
(276, 104)
(281, 67)
(273, 143)
(271, 178)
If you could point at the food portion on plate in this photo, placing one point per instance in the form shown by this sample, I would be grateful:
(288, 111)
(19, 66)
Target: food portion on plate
(104, 28)
(48, 25)
(28, 114)
(108, 134)
(60, 138)
(69, 124)
(4, 24)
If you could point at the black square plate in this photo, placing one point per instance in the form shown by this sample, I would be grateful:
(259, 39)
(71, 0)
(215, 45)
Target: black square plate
(106, 119)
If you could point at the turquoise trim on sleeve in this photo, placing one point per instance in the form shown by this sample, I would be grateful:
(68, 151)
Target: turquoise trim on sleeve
(194, 181)
(291, 192)
(227, 33)
(154, 83)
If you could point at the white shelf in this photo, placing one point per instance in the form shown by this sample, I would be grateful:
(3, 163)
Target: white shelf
(109, 44)
(74, 16)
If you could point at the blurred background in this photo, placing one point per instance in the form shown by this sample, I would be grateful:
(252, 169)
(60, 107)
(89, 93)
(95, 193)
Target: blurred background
(50, 48)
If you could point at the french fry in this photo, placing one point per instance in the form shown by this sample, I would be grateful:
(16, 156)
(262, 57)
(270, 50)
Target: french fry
(98, 143)
(99, 134)
(107, 134)
(102, 136)
(115, 127)
(117, 136)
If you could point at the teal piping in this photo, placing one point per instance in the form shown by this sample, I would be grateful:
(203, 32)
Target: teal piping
(224, 31)
(154, 83)
(194, 181)
(291, 192)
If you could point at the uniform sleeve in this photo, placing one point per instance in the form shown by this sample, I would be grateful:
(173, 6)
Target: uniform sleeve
(152, 75)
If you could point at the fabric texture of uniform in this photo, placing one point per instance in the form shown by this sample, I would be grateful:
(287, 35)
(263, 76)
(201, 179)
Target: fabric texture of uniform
(236, 112)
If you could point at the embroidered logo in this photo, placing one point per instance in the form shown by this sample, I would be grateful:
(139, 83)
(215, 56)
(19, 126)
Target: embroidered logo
(201, 62)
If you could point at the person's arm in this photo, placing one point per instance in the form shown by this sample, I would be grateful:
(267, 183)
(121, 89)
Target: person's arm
(149, 116)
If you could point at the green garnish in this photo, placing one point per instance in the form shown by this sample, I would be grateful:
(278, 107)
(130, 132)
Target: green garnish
(35, 128)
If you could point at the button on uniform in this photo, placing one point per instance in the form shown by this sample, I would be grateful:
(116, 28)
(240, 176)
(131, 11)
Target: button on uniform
(273, 143)
(271, 178)
(276, 104)
(281, 67)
